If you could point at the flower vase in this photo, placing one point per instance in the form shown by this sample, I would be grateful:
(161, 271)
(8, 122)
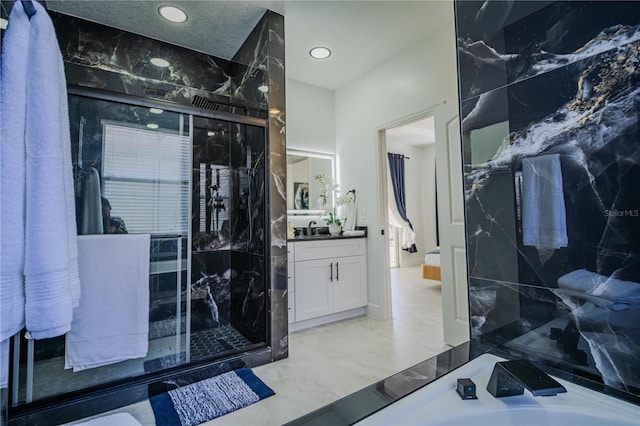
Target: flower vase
(334, 228)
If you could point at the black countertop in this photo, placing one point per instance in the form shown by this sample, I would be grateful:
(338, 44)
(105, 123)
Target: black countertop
(326, 236)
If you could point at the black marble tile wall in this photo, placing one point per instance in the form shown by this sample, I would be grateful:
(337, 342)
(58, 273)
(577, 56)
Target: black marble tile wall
(550, 102)
(102, 57)
(277, 186)
(264, 51)
(248, 296)
(249, 74)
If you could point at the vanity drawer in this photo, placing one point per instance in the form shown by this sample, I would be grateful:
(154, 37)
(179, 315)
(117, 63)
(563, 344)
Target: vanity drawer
(309, 250)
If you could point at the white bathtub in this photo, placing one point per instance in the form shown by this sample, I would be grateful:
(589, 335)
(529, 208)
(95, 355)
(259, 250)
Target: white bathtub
(438, 403)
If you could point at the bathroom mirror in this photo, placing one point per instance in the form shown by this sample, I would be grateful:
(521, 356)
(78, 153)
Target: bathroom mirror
(303, 190)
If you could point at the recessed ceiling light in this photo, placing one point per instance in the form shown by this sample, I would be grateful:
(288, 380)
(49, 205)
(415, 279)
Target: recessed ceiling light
(159, 62)
(156, 110)
(320, 52)
(152, 126)
(173, 14)
(211, 133)
(264, 88)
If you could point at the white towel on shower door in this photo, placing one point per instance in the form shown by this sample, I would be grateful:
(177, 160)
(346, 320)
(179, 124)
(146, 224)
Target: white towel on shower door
(91, 204)
(112, 322)
(544, 217)
(52, 283)
(13, 113)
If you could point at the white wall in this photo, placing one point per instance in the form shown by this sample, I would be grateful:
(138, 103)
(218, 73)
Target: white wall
(417, 80)
(311, 123)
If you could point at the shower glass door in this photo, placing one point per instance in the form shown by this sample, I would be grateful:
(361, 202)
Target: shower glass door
(228, 299)
(196, 186)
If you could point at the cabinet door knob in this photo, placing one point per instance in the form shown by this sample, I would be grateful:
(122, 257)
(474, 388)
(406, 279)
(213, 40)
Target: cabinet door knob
(331, 269)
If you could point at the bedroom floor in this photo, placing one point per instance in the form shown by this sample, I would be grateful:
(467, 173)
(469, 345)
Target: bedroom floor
(323, 365)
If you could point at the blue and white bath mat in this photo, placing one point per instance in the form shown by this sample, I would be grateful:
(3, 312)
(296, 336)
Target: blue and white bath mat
(205, 400)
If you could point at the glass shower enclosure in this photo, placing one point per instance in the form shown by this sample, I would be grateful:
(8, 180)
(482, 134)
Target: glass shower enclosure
(194, 180)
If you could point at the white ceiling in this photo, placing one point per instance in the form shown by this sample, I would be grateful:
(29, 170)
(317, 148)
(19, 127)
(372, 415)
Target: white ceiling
(417, 133)
(361, 34)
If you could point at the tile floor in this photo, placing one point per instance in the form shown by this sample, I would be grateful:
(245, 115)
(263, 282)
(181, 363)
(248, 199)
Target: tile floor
(328, 362)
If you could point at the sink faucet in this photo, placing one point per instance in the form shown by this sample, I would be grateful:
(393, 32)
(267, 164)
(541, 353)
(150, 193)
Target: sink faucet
(313, 222)
(511, 377)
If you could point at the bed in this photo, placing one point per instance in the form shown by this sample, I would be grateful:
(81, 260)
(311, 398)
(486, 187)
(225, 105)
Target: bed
(431, 265)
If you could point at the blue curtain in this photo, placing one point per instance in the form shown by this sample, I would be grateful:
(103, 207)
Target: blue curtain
(396, 168)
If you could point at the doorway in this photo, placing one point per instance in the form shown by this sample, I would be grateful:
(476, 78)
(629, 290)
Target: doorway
(414, 141)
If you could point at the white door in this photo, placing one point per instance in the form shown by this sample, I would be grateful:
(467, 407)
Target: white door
(453, 260)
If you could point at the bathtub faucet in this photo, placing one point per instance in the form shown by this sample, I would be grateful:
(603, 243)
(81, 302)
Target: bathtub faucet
(511, 377)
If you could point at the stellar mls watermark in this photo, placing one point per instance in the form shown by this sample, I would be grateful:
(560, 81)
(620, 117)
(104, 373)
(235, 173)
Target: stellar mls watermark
(622, 213)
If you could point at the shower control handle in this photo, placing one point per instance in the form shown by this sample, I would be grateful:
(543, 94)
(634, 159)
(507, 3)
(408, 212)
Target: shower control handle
(331, 268)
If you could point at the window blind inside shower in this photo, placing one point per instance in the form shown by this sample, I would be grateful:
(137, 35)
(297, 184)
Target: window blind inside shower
(145, 177)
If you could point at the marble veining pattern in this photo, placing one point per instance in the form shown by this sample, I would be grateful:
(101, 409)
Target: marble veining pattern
(543, 82)
(103, 57)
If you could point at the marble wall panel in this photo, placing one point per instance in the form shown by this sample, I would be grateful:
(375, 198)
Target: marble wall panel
(249, 74)
(102, 57)
(503, 42)
(248, 296)
(211, 281)
(263, 55)
(277, 186)
(550, 101)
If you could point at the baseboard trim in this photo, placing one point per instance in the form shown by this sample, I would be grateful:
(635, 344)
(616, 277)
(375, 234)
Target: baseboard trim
(314, 322)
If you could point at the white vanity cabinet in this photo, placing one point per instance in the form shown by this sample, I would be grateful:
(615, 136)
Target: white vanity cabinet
(330, 278)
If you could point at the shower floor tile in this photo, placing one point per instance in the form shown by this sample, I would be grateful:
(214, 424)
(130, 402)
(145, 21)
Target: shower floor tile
(51, 379)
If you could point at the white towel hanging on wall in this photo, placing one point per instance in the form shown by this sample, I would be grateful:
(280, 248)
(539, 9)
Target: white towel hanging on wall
(544, 217)
(52, 283)
(40, 281)
(13, 101)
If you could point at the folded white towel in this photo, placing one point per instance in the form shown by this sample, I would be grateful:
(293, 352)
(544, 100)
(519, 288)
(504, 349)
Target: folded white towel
(52, 284)
(13, 101)
(594, 284)
(544, 220)
(91, 204)
(112, 322)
